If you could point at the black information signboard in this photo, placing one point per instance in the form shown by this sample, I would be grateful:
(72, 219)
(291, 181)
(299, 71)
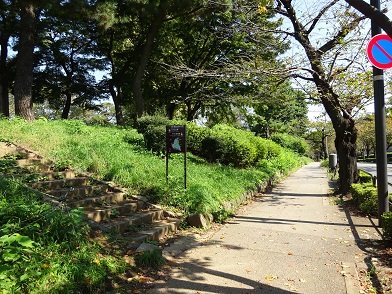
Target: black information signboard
(175, 143)
(175, 139)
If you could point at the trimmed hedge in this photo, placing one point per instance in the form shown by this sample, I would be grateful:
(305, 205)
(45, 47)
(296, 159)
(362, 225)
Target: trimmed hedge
(365, 197)
(221, 144)
(291, 142)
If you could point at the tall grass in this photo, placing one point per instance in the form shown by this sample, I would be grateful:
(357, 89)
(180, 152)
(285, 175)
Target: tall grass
(46, 250)
(118, 155)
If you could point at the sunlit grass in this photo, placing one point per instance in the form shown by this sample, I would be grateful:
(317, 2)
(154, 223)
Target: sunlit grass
(118, 155)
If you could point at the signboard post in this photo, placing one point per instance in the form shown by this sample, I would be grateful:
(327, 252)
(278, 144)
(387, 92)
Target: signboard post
(175, 143)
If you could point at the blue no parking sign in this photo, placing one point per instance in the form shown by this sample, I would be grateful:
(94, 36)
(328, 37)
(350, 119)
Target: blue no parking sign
(379, 51)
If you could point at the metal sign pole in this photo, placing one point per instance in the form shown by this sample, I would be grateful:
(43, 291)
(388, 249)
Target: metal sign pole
(185, 157)
(379, 114)
(175, 143)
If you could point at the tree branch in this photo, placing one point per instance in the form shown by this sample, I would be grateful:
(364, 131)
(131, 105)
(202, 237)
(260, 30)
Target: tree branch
(377, 16)
(321, 13)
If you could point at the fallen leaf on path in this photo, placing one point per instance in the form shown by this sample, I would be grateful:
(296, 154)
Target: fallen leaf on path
(270, 278)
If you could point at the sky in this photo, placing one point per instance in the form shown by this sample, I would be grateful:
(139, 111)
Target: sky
(310, 8)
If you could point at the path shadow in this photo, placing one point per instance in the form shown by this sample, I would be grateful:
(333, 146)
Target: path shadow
(373, 248)
(194, 272)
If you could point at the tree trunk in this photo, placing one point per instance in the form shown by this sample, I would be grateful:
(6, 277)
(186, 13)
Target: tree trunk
(191, 111)
(117, 100)
(145, 55)
(67, 106)
(343, 122)
(170, 109)
(346, 147)
(4, 84)
(25, 62)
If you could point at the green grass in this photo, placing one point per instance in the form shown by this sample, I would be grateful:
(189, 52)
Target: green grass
(118, 155)
(47, 250)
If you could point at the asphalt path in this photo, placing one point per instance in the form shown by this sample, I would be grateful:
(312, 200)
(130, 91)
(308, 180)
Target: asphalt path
(290, 240)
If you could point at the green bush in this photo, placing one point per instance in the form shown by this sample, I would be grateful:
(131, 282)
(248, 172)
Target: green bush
(365, 177)
(294, 143)
(223, 143)
(195, 136)
(240, 150)
(365, 197)
(155, 138)
(147, 121)
(213, 149)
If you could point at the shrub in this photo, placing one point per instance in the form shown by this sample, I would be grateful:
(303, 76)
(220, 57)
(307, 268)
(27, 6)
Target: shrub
(145, 122)
(150, 259)
(155, 138)
(240, 149)
(213, 149)
(273, 149)
(365, 196)
(386, 220)
(195, 137)
(365, 177)
(294, 143)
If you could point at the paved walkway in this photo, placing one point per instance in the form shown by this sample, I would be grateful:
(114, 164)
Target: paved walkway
(292, 240)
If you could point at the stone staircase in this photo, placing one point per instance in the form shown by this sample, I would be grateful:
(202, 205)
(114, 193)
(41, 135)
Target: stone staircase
(108, 208)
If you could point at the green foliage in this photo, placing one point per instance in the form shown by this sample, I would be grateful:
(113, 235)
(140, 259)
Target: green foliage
(155, 138)
(195, 136)
(238, 147)
(365, 177)
(386, 221)
(150, 259)
(365, 196)
(221, 144)
(147, 121)
(15, 250)
(110, 153)
(45, 249)
(283, 110)
(294, 143)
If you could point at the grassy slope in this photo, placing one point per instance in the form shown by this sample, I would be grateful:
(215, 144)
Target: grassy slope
(118, 155)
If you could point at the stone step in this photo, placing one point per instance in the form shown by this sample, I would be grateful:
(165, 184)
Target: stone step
(60, 184)
(43, 167)
(109, 212)
(30, 161)
(11, 149)
(105, 206)
(44, 176)
(156, 231)
(90, 202)
(122, 223)
(81, 192)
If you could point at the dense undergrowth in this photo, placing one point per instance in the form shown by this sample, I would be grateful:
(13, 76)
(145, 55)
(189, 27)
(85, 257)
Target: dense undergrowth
(48, 250)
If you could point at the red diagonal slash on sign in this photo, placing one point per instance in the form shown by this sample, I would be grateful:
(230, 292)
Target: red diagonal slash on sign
(379, 51)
